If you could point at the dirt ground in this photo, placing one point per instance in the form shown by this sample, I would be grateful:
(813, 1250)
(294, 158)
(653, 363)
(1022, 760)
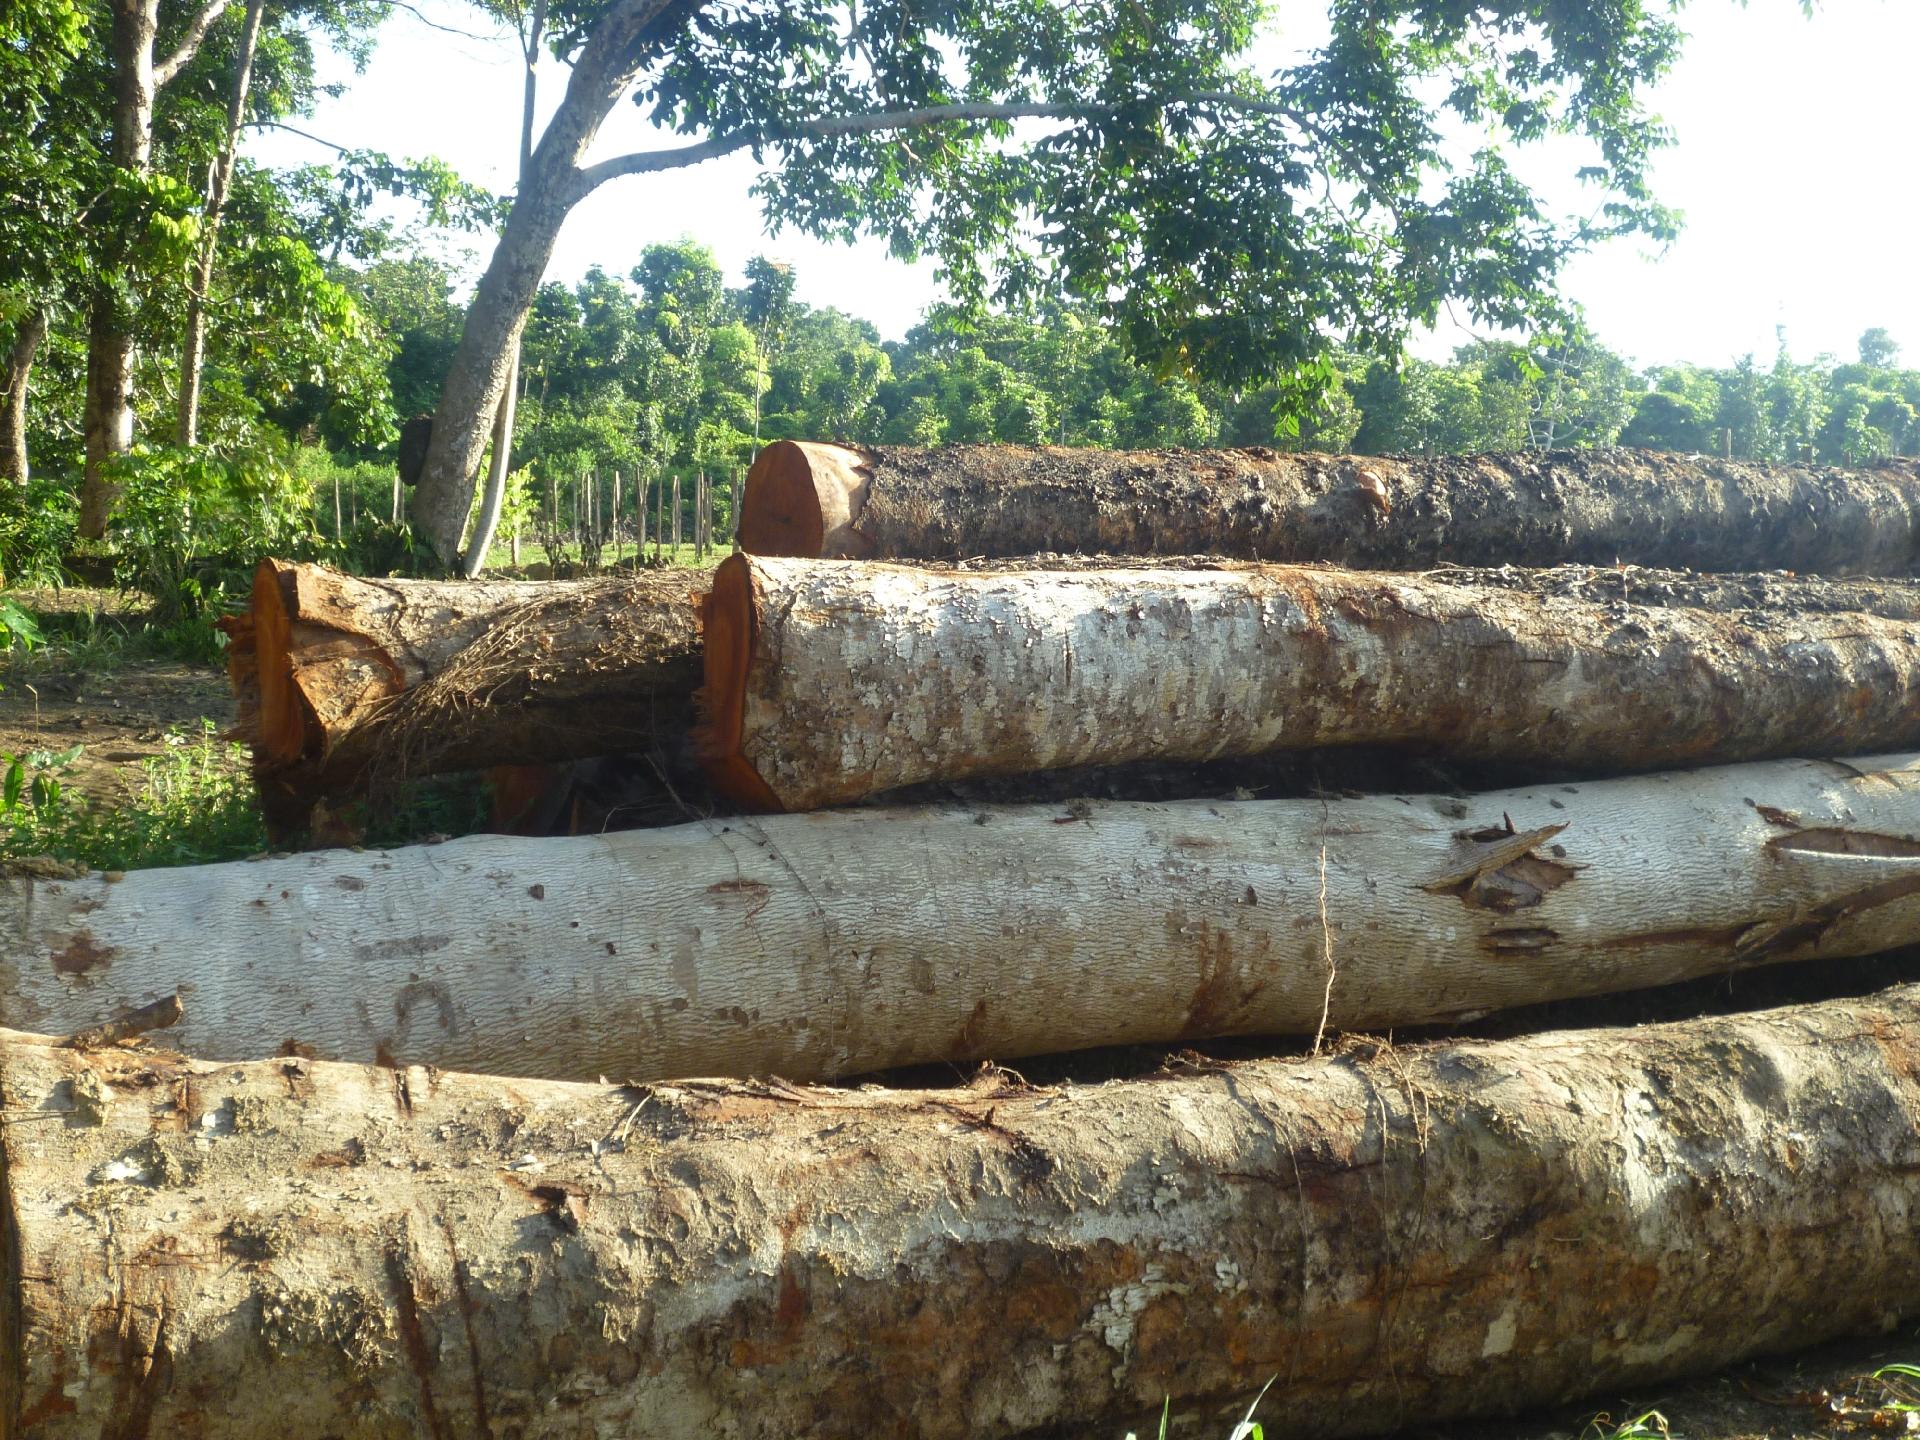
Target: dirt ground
(120, 711)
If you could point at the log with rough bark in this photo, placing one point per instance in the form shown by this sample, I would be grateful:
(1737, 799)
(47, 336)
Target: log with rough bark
(818, 945)
(831, 680)
(342, 678)
(1592, 506)
(288, 1247)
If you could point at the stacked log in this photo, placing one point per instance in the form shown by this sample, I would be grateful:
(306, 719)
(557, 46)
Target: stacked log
(827, 682)
(815, 946)
(1377, 512)
(344, 681)
(286, 1247)
(421, 1217)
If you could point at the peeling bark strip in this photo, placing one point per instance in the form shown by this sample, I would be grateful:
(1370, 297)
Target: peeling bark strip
(338, 676)
(832, 680)
(1593, 506)
(1388, 1234)
(820, 945)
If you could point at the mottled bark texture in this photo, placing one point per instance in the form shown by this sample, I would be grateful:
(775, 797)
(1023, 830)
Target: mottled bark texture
(343, 680)
(288, 1247)
(28, 334)
(822, 945)
(831, 680)
(1534, 508)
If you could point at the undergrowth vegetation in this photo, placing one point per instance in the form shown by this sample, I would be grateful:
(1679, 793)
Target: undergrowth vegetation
(195, 804)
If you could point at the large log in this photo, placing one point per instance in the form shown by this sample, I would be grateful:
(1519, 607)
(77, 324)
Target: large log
(832, 680)
(820, 945)
(342, 678)
(1533, 508)
(292, 1248)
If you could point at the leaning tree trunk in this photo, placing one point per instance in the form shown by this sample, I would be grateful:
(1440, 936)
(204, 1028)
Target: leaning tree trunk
(814, 946)
(828, 680)
(1590, 506)
(344, 681)
(27, 338)
(286, 1247)
(551, 184)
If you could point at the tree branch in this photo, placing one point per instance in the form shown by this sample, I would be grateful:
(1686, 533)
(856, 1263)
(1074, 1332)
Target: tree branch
(646, 161)
(165, 70)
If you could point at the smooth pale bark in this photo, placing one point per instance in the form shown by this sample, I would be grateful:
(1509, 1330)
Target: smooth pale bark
(28, 336)
(551, 183)
(1535, 508)
(831, 680)
(814, 946)
(342, 679)
(193, 351)
(287, 1247)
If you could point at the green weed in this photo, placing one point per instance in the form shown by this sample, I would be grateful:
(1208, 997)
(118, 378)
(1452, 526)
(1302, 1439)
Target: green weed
(1651, 1425)
(196, 805)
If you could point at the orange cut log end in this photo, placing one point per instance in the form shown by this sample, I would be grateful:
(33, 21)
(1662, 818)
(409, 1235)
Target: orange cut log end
(802, 499)
(729, 630)
(283, 726)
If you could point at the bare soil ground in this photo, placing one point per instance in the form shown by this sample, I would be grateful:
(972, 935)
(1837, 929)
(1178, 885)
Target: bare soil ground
(119, 711)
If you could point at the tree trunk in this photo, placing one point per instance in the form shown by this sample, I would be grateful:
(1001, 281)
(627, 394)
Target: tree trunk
(817, 946)
(345, 681)
(487, 519)
(27, 339)
(1595, 507)
(110, 351)
(492, 496)
(828, 680)
(1391, 1235)
(676, 520)
(551, 184)
(193, 352)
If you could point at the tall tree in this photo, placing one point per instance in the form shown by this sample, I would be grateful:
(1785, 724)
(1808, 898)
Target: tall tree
(138, 77)
(1226, 223)
(42, 182)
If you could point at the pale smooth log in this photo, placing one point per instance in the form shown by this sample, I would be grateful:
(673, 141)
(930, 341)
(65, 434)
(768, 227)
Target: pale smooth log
(828, 681)
(292, 1248)
(1380, 512)
(832, 944)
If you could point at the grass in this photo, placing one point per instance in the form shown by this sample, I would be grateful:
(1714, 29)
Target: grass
(195, 805)
(98, 637)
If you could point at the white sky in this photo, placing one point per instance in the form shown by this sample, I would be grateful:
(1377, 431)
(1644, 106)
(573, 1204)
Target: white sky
(1794, 167)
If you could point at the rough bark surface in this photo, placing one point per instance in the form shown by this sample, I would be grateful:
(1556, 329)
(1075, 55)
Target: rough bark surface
(828, 681)
(342, 678)
(824, 945)
(289, 1247)
(1593, 507)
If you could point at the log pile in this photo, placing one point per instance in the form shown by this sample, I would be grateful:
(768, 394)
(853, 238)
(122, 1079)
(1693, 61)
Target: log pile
(1283, 746)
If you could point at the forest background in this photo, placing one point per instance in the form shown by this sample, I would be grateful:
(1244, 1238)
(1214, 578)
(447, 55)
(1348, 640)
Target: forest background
(284, 321)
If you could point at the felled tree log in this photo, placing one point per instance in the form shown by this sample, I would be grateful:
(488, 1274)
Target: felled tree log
(289, 1247)
(1591, 506)
(341, 678)
(823, 945)
(829, 681)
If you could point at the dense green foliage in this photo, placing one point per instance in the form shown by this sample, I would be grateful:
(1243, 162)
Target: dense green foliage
(1169, 249)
